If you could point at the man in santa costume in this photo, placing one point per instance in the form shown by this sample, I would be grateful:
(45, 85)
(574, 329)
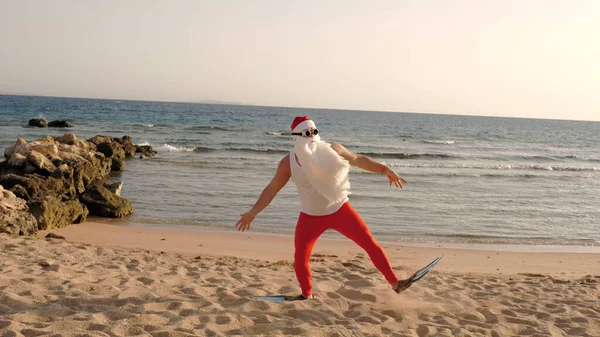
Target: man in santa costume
(320, 172)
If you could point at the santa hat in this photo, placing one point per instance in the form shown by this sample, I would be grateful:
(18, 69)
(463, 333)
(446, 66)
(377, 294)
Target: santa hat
(302, 123)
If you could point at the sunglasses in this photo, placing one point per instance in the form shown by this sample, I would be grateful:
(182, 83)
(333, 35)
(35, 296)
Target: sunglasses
(306, 133)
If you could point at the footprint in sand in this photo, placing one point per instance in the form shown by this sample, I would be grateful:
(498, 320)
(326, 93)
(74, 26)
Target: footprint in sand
(356, 295)
(145, 280)
(222, 320)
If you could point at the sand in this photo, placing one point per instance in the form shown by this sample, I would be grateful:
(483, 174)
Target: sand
(107, 280)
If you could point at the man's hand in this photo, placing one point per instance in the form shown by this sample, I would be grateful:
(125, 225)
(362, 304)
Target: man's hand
(394, 177)
(245, 221)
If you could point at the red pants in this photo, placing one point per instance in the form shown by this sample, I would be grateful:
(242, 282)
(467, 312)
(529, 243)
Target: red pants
(349, 223)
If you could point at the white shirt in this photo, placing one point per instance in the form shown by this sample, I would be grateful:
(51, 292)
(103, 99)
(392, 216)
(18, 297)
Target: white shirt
(311, 201)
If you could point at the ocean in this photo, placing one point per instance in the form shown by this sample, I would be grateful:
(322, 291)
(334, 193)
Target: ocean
(472, 180)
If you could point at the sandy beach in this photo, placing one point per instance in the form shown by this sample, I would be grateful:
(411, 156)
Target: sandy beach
(108, 280)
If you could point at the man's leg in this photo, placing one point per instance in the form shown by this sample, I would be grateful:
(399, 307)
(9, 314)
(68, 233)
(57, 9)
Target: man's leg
(308, 231)
(349, 223)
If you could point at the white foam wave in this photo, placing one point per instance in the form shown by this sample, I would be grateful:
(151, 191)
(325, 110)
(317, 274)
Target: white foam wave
(170, 148)
(148, 125)
(443, 142)
(275, 133)
(167, 147)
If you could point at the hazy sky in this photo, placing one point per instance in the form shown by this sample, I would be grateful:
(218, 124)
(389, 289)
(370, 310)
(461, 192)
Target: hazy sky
(526, 58)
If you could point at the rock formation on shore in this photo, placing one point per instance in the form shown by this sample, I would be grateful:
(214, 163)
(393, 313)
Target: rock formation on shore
(42, 123)
(58, 180)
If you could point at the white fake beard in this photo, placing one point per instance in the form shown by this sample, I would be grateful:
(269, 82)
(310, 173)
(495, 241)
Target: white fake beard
(324, 168)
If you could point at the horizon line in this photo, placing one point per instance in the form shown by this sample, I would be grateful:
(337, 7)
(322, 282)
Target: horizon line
(219, 102)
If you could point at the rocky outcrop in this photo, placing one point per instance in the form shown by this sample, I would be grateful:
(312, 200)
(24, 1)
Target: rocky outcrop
(38, 187)
(14, 218)
(54, 213)
(20, 192)
(101, 201)
(145, 151)
(42, 123)
(128, 146)
(115, 187)
(59, 124)
(60, 178)
(38, 122)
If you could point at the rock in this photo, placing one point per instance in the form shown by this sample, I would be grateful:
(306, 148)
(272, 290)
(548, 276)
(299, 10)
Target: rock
(111, 149)
(54, 213)
(85, 170)
(67, 138)
(45, 263)
(39, 187)
(17, 160)
(71, 139)
(10, 202)
(115, 187)
(145, 150)
(38, 122)
(45, 146)
(59, 124)
(102, 202)
(9, 150)
(21, 224)
(117, 165)
(99, 139)
(54, 236)
(14, 218)
(55, 177)
(71, 149)
(29, 169)
(20, 192)
(40, 162)
(62, 169)
(127, 146)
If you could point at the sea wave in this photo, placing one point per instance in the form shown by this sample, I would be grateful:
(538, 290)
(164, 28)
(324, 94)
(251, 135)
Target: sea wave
(241, 149)
(524, 240)
(144, 125)
(472, 174)
(400, 155)
(534, 159)
(212, 127)
(277, 133)
(396, 159)
(205, 149)
(229, 163)
(257, 150)
(554, 158)
(496, 166)
(441, 142)
(170, 148)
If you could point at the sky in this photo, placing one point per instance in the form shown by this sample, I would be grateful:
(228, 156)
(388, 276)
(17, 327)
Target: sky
(525, 58)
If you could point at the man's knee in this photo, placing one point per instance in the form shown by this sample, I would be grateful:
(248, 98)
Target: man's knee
(370, 244)
(301, 257)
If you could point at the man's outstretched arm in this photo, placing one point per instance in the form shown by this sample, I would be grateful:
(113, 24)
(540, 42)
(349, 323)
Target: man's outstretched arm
(368, 164)
(282, 176)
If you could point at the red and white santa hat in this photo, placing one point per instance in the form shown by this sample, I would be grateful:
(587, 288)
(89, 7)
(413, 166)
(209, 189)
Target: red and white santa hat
(301, 123)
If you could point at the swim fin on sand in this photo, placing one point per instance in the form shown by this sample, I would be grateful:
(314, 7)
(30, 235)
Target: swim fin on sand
(419, 274)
